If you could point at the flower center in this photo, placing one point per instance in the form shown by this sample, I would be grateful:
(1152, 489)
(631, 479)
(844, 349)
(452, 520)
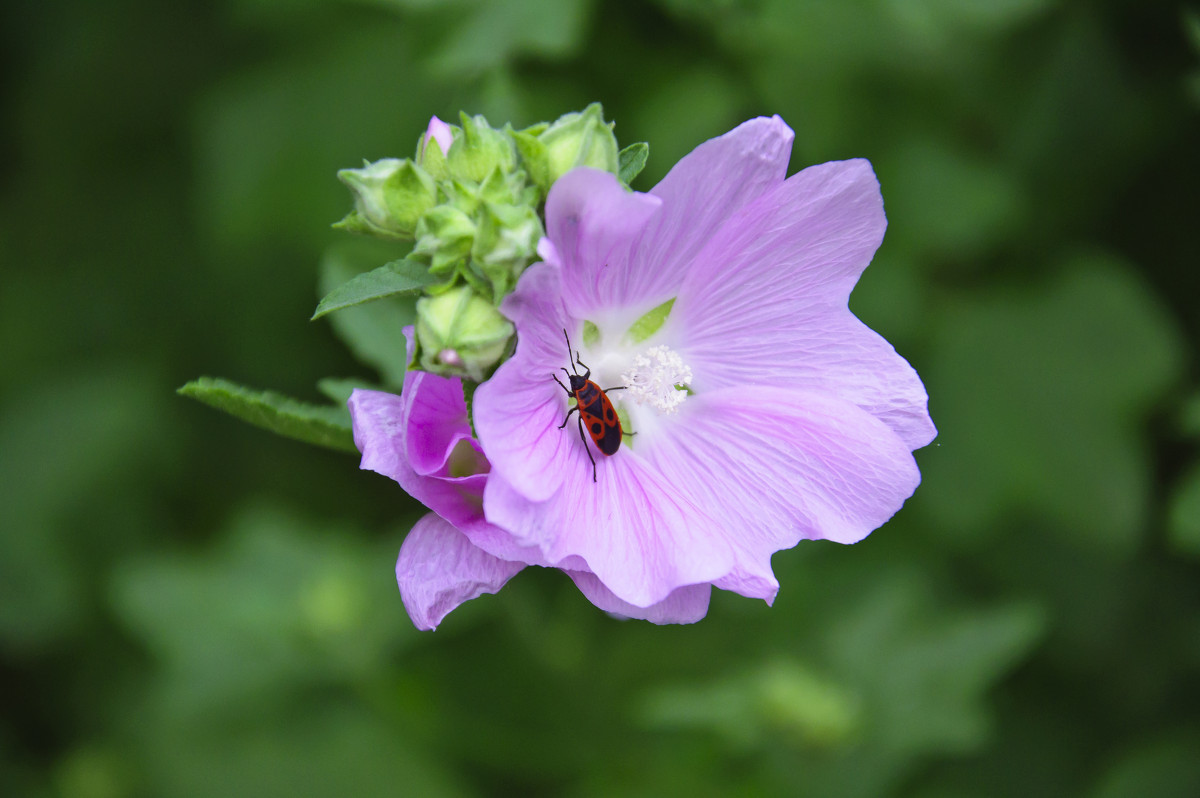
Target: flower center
(658, 377)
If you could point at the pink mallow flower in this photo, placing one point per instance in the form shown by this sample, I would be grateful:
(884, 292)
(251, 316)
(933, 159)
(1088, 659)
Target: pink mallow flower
(764, 412)
(422, 439)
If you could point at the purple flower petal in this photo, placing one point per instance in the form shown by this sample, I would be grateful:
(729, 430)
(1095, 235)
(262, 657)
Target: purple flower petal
(438, 569)
(818, 229)
(765, 303)
(794, 465)
(741, 474)
(636, 533)
(708, 186)
(592, 221)
(517, 410)
(380, 420)
(684, 605)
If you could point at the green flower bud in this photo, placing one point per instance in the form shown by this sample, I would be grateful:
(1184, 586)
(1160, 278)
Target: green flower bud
(432, 147)
(505, 244)
(460, 334)
(444, 237)
(575, 139)
(390, 196)
(479, 150)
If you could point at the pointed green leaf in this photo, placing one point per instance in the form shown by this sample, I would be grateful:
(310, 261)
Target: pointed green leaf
(631, 161)
(373, 331)
(318, 424)
(404, 276)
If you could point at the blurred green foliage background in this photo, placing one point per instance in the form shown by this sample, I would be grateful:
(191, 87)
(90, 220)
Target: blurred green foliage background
(192, 607)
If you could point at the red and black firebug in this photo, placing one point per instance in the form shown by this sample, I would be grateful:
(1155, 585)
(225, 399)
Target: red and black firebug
(595, 409)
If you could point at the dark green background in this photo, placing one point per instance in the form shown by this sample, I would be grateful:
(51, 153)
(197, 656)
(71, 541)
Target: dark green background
(192, 607)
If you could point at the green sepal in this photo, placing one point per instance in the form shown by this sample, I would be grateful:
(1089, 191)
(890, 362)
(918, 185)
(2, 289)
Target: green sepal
(534, 154)
(631, 161)
(400, 277)
(390, 195)
(444, 235)
(355, 222)
(581, 138)
(649, 323)
(430, 156)
(591, 334)
(480, 149)
(322, 425)
(505, 243)
(460, 334)
(373, 331)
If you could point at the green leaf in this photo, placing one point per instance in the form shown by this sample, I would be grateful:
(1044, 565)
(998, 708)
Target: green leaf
(631, 161)
(322, 425)
(400, 277)
(374, 332)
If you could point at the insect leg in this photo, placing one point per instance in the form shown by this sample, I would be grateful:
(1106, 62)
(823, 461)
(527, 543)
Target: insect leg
(583, 438)
(568, 417)
(560, 385)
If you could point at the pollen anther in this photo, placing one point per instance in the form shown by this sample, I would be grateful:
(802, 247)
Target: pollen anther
(658, 377)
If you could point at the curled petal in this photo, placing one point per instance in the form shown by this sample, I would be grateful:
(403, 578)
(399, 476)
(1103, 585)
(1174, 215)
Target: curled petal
(684, 605)
(380, 422)
(438, 569)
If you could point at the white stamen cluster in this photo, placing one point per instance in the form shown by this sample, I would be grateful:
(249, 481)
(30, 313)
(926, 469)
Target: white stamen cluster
(655, 377)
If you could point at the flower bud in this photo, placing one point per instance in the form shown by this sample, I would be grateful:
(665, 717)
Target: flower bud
(390, 196)
(433, 146)
(444, 236)
(480, 150)
(575, 139)
(460, 334)
(505, 242)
